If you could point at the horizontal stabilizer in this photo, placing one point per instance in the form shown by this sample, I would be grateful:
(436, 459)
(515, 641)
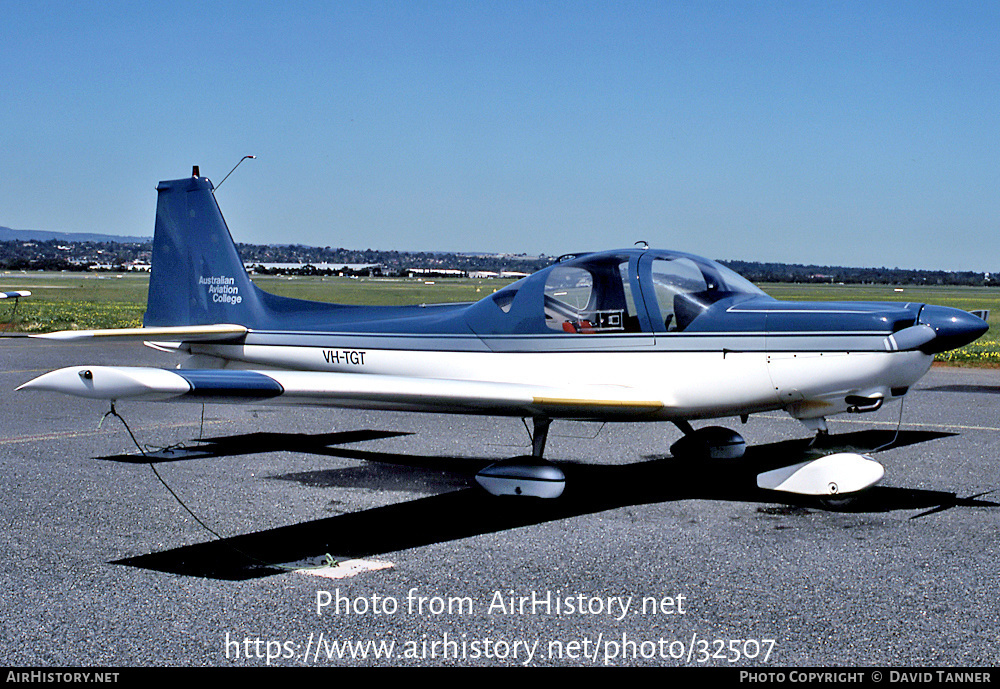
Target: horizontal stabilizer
(181, 333)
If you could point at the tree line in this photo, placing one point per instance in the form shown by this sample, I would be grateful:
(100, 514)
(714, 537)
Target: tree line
(79, 256)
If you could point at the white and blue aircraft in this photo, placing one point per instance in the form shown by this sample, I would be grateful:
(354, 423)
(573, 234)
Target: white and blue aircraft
(17, 296)
(625, 335)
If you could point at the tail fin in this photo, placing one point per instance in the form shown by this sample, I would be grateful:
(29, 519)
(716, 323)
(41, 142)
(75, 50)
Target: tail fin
(197, 276)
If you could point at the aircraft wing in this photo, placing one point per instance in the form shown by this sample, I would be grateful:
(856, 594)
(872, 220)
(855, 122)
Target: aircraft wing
(366, 391)
(17, 294)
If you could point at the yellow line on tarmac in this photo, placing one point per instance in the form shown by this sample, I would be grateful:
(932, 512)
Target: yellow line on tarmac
(83, 434)
(26, 370)
(893, 424)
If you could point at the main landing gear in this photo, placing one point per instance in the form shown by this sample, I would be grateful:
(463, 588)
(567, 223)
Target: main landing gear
(713, 442)
(835, 477)
(526, 476)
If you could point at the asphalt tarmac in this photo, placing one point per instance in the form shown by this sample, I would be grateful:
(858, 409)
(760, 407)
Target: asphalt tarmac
(644, 560)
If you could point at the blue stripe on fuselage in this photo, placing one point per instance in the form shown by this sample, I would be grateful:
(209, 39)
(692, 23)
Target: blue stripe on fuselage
(566, 343)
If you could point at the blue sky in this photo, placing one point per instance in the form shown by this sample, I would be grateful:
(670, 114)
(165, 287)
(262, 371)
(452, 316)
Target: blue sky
(863, 134)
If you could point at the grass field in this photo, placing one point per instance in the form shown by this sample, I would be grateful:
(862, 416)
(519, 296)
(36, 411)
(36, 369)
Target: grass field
(64, 301)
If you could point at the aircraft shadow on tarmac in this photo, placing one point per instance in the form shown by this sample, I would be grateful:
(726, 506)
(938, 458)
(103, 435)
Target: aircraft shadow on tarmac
(460, 509)
(976, 389)
(253, 443)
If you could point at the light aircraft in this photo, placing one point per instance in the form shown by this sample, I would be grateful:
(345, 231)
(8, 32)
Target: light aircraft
(632, 334)
(17, 296)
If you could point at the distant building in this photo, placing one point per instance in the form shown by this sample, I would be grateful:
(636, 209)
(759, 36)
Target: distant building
(433, 272)
(320, 267)
(489, 274)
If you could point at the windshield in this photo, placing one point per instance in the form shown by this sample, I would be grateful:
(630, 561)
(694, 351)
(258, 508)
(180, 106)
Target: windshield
(685, 286)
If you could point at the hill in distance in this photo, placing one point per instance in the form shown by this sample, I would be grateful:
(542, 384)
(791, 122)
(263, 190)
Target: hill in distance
(8, 234)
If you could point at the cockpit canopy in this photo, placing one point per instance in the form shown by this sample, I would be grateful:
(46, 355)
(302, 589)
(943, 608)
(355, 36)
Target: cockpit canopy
(597, 294)
(627, 291)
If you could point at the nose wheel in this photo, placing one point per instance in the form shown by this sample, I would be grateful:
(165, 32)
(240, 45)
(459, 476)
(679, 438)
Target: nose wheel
(835, 479)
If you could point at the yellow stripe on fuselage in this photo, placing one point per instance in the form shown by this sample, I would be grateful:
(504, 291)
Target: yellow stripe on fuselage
(569, 402)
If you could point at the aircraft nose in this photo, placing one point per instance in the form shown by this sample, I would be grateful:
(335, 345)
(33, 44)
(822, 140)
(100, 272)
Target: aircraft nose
(953, 328)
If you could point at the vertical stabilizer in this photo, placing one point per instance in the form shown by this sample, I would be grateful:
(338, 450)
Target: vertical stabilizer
(197, 275)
